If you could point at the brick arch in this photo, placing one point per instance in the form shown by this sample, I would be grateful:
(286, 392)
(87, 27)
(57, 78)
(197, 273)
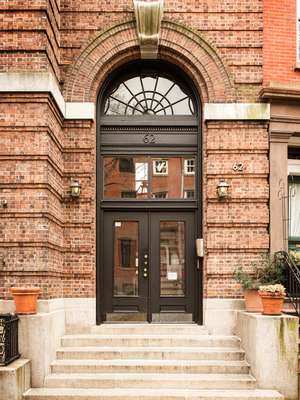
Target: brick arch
(178, 44)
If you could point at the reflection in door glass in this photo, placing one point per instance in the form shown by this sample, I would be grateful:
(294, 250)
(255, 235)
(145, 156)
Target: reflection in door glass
(172, 258)
(142, 177)
(126, 258)
(126, 177)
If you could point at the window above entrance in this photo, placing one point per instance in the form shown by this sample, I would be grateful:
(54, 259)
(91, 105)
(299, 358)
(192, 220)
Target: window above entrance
(149, 93)
(148, 178)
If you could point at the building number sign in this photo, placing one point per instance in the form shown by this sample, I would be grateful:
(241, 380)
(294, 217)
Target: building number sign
(238, 167)
(149, 138)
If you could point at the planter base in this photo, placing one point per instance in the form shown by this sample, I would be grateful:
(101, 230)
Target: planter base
(252, 301)
(25, 299)
(272, 305)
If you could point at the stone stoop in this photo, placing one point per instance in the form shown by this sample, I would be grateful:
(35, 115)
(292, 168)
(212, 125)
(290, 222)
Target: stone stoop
(149, 361)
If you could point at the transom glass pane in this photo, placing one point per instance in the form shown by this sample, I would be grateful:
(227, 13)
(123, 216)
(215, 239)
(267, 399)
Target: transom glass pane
(172, 258)
(151, 94)
(142, 177)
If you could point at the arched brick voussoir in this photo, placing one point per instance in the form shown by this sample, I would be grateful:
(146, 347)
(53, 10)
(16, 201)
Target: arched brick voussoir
(203, 57)
(105, 45)
(178, 44)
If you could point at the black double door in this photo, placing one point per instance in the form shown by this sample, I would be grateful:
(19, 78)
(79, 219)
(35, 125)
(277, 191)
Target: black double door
(149, 264)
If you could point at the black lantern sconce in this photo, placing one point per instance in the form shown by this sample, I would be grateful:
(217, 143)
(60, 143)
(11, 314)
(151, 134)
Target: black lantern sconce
(75, 189)
(223, 189)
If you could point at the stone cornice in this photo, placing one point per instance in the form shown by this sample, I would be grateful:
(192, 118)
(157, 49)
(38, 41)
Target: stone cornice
(280, 91)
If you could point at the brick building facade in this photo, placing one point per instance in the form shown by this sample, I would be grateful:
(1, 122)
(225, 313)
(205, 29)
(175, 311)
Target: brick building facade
(56, 56)
(151, 108)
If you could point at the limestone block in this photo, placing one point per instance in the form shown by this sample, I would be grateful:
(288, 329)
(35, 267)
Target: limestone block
(14, 379)
(220, 315)
(271, 346)
(39, 337)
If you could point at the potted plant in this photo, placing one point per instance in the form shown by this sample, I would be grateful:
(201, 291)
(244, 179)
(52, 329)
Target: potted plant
(272, 297)
(250, 284)
(267, 270)
(25, 299)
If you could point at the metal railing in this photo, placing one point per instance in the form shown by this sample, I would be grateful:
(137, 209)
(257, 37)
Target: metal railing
(9, 350)
(292, 279)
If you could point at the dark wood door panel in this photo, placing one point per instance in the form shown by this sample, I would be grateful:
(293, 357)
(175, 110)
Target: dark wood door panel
(125, 243)
(172, 252)
(149, 262)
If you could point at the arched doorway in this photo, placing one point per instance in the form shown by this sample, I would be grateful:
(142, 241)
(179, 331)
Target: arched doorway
(148, 195)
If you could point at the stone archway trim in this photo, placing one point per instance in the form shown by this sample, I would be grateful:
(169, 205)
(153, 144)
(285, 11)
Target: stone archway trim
(178, 44)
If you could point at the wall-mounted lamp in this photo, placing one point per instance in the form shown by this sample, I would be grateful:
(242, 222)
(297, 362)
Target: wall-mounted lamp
(75, 189)
(223, 189)
(3, 203)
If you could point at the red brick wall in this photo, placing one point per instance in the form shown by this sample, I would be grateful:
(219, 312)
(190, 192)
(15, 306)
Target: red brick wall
(280, 41)
(236, 230)
(50, 242)
(30, 36)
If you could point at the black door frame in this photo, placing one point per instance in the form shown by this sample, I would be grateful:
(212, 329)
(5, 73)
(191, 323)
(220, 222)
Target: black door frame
(148, 301)
(165, 150)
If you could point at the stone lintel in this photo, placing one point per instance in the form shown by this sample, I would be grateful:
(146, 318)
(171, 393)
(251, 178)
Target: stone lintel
(39, 82)
(148, 22)
(236, 111)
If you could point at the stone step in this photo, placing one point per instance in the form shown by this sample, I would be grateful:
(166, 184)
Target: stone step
(150, 366)
(157, 353)
(150, 340)
(146, 329)
(149, 394)
(153, 381)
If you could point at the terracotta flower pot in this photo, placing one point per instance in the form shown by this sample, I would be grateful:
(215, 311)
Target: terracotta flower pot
(25, 299)
(252, 300)
(272, 303)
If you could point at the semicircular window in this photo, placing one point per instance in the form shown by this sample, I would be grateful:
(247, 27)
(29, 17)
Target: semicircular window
(149, 95)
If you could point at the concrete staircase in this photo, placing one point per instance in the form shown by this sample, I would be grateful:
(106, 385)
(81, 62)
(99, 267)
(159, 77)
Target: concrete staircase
(149, 361)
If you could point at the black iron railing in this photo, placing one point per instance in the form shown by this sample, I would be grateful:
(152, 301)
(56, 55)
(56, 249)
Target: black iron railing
(292, 279)
(9, 350)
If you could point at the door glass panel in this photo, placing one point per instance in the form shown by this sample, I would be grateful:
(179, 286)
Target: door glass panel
(126, 258)
(126, 177)
(171, 179)
(172, 258)
(142, 177)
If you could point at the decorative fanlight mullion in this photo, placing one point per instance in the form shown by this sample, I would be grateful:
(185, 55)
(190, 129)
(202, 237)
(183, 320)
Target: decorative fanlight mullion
(154, 91)
(125, 104)
(133, 96)
(173, 104)
(141, 95)
(144, 93)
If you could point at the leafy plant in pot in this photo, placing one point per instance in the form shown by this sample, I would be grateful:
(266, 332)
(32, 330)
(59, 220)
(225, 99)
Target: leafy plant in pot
(267, 270)
(250, 284)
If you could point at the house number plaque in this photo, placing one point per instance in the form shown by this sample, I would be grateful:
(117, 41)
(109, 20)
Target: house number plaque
(238, 167)
(149, 138)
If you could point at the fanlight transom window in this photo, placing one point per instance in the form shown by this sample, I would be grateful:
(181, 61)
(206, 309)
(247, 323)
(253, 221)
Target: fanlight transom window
(149, 95)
